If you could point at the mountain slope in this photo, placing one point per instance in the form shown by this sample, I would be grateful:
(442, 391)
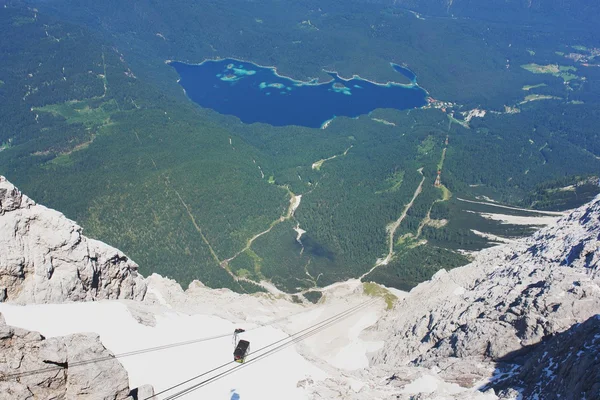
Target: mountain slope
(566, 365)
(45, 258)
(190, 194)
(510, 298)
(500, 326)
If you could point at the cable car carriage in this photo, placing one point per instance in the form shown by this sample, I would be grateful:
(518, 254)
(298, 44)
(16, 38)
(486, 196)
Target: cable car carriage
(241, 351)
(242, 347)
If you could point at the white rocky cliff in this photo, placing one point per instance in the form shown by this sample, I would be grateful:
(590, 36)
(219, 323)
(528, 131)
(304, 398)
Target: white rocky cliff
(44, 258)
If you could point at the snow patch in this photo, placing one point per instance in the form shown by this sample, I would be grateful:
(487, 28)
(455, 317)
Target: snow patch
(430, 384)
(517, 220)
(492, 237)
(158, 295)
(119, 332)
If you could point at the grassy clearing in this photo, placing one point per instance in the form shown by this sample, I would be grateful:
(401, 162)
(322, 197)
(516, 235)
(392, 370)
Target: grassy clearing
(243, 273)
(317, 165)
(405, 240)
(394, 182)
(82, 112)
(459, 122)
(560, 71)
(442, 158)
(373, 289)
(580, 48)
(257, 261)
(446, 193)
(426, 145)
(536, 97)
(529, 87)
(63, 160)
(1, 83)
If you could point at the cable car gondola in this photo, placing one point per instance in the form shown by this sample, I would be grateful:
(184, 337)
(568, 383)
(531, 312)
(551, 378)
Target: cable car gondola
(241, 351)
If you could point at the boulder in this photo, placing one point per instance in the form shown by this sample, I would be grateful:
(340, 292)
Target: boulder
(33, 367)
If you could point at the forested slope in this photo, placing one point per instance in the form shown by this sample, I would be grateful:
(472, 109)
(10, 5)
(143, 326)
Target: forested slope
(95, 125)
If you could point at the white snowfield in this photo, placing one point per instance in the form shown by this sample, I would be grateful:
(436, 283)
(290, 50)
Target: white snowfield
(288, 373)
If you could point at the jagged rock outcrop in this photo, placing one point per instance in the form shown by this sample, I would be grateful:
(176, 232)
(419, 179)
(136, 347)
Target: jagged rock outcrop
(45, 258)
(564, 366)
(49, 369)
(510, 297)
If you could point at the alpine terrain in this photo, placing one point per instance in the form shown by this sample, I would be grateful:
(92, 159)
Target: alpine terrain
(522, 320)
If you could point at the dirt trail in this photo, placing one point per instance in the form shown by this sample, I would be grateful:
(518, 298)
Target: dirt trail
(269, 287)
(318, 164)
(104, 79)
(394, 226)
(187, 209)
(294, 203)
(223, 264)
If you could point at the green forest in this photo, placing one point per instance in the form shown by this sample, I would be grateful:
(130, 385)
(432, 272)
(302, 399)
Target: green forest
(95, 125)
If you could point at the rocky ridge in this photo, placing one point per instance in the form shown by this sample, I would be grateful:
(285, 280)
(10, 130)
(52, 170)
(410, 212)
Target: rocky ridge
(565, 365)
(510, 300)
(46, 259)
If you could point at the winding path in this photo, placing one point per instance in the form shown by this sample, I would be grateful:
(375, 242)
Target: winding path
(394, 226)
(294, 203)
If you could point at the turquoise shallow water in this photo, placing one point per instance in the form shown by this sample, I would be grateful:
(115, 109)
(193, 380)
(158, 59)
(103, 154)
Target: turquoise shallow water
(257, 94)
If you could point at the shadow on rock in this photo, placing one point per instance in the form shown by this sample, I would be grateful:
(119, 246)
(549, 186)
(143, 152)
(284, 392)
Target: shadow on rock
(565, 365)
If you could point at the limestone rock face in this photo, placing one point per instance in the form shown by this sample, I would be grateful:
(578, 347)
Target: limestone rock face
(55, 362)
(495, 316)
(565, 366)
(511, 296)
(45, 258)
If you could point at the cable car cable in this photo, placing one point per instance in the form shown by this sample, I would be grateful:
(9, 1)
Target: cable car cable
(313, 329)
(230, 362)
(272, 351)
(17, 375)
(111, 357)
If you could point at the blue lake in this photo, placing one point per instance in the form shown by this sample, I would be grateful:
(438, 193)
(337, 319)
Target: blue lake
(257, 94)
(406, 72)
